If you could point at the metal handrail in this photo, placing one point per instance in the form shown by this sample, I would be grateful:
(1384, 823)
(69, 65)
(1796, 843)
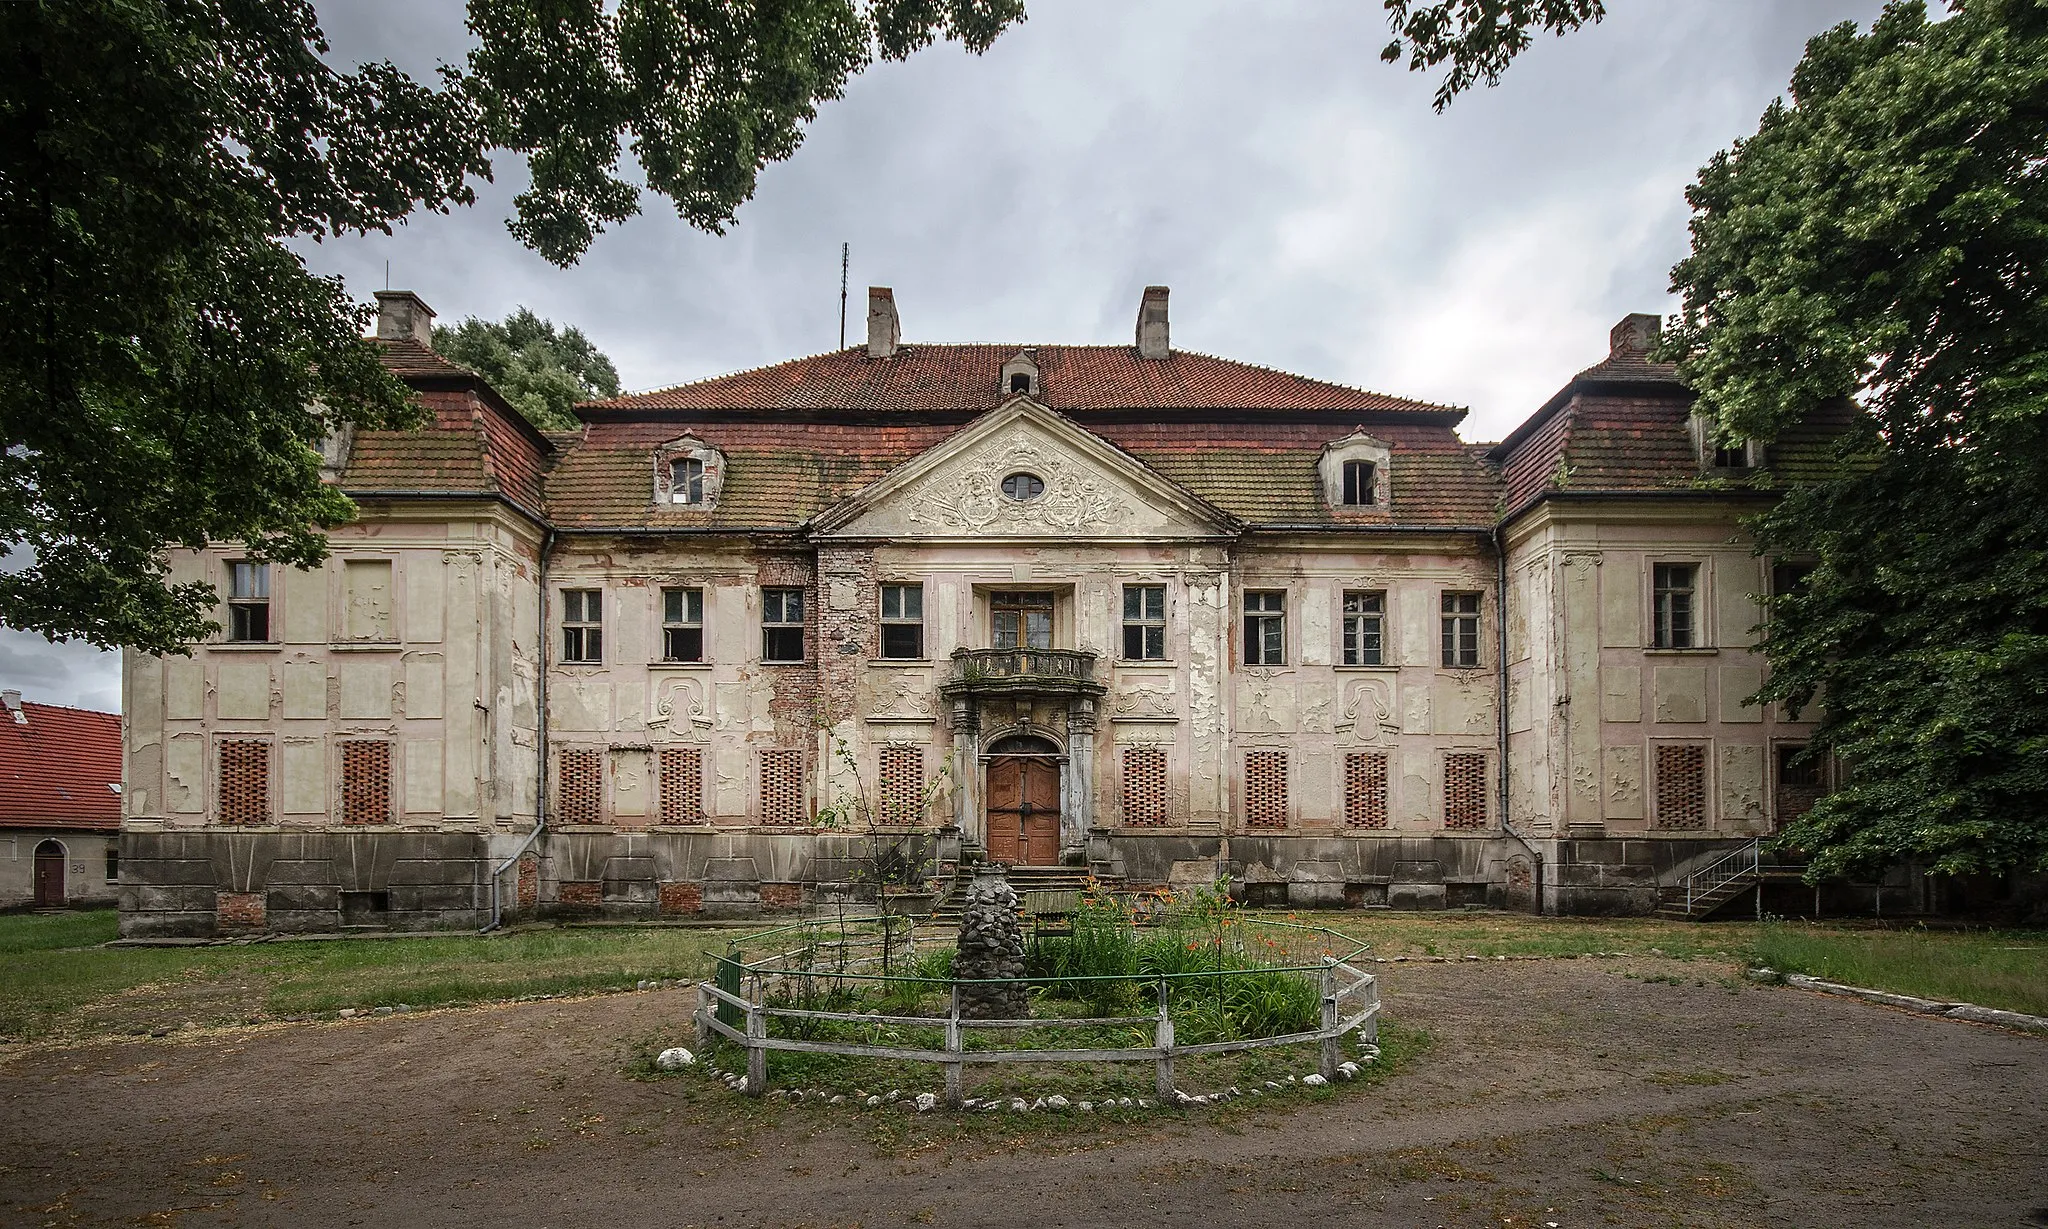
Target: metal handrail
(1733, 865)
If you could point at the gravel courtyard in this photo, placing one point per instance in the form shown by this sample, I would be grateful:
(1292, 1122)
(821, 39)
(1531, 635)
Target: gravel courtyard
(1567, 1092)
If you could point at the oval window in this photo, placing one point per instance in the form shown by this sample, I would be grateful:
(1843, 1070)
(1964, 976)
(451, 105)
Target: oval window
(1023, 486)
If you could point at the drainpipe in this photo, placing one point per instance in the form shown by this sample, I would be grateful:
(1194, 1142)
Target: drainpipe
(1500, 560)
(540, 688)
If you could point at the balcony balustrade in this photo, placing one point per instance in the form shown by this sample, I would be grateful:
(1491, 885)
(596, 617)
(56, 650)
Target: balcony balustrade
(981, 672)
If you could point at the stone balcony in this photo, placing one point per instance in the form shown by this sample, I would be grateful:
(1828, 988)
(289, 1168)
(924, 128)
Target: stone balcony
(1039, 672)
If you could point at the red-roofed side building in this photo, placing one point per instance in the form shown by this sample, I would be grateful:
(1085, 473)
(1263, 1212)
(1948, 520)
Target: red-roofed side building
(60, 805)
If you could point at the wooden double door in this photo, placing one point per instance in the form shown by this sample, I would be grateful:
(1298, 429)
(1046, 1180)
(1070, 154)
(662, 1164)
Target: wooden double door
(49, 875)
(1024, 809)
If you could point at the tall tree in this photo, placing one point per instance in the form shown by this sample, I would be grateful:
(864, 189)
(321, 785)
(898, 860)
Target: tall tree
(1881, 243)
(540, 370)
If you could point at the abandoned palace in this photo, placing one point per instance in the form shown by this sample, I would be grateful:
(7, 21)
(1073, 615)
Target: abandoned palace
(1125, 609)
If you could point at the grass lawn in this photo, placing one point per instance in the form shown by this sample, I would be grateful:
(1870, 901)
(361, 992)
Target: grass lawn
(1992, 968)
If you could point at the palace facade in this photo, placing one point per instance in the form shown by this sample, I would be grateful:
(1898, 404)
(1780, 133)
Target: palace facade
(1156, 614)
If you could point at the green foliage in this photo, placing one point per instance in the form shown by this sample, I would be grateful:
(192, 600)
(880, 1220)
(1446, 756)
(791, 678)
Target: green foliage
(540, 370)
(1477, 38)
(1874, 255)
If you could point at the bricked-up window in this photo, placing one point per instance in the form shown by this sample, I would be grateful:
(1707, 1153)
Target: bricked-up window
(1358, 482)
(782, 789)
(1365, 789)
(1265, 629)
(1464, 790)
(244, 781)
(1365, 614)
(902, 794)
(903, 622)
(1265, 789)
(682, 785)
(1681, 785)
(249, 601)
(579, 785)
(1461, 630)
(365, 781)
(1144, 622)
(1144, 786)
(686, 480)
(682, 625)
(1675, 588)
(583, 625)
(782, 625)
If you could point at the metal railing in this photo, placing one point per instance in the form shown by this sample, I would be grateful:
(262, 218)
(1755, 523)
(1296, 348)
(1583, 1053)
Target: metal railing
(1730, 867)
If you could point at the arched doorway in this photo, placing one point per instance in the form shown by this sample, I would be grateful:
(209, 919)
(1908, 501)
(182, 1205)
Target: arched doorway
(49, 875)
(1024, 801)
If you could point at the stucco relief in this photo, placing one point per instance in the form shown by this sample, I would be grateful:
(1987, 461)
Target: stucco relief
(1143, 701)
(679, 705)
(1265, 706)
(972, 498)
(1368, 709)
(1317, 703)
(902, 697)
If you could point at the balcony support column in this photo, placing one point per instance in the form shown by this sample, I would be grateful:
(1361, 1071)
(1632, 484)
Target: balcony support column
(1077, 808)
(968, 812)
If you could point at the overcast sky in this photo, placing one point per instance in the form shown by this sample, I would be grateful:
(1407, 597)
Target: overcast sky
(1307, 207)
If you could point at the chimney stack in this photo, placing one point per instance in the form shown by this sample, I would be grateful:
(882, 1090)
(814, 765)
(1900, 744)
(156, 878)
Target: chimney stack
(1634, 336)
(1152, 339)
(884, 333)
(404, 316)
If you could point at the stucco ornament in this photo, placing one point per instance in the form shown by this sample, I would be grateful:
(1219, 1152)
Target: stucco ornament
(972, 497)
(680, 706)
(1146, 702)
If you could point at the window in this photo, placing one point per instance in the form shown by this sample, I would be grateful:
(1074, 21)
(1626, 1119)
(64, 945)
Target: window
(1358, 483)
(1144, 787)
(1265, 789)
(682, 785)
(1020, 620)
(113, 864)
(1020, 381)
(1364, 627)
(244, 781)
(1461, 630)
(1795, 771)
(903, 622)
(1144, 622)
(1464, 790)
(902, 793)
(1731, 456)
(1681, 786)
(1365, 789)
(1023, 487)
(582, 625)
(365, 781)
(579, 785)
(686, 480)
(682, 625)
(249, 602)
(1265, 629)
(1674, 586)
(782, 625)
(782, 789)
(1788, 579)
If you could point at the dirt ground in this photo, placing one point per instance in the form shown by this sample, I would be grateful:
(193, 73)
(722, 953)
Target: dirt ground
(1565, 1092)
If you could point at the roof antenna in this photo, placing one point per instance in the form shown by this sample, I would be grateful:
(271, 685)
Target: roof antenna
(387, 275)
(845, 252)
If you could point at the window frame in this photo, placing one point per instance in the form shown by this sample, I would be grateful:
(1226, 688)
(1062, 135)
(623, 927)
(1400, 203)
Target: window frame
(1666, 610)
(243, 608)
(1352, 655)
(1452, 624)
(689, 491)
(1360, 480)
(585, 633)
(1029, 603)
(1268, 618)
(900, 622)
(778, 597)
(1149, 627)
(673, 628)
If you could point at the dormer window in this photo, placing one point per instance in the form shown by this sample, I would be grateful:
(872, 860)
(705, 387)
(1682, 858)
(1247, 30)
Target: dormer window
(688, 473)
(686, 480)
(1020, 375)
(1020, 382)
(1716, 453)
(1731, 456)
(1353, 473)
(1358, 483)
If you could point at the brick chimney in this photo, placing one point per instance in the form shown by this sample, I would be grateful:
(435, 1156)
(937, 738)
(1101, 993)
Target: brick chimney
(1633, 336)
(1152, 342)
(404, 316)
(884, 333)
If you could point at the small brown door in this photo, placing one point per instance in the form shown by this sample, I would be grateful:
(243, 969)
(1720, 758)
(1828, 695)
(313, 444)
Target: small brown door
(1024, 810)
(49, 875)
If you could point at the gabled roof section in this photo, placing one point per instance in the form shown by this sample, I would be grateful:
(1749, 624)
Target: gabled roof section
(967, 377)
(1091, 488)
(60, 767)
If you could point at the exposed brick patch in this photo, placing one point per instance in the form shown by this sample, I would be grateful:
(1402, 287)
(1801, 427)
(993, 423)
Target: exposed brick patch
(902, 792)
(1265, 789)
(580, 785)
(1681, 785)
(1464, 790)
(238, 910)
(365, 781)
(1144, 787)
(782, 789)
(529, 882)
(244, 781)
(682, 785)
(587, 892)
(681, 899)
(1365, 789)
(794, 706)
(781, 895)
(847, 636)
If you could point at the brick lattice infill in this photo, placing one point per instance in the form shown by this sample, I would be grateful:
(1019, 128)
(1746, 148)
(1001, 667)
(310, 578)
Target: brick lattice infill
(580, 785)
(681, 899)
(1365, 789)
(782, 789)
(1464, 790)
(1144, 787)
(1265, 789)
(365, 781)
(244, 781)
(902, 792)
(238, 910)
(682, 785)
(1681, 786)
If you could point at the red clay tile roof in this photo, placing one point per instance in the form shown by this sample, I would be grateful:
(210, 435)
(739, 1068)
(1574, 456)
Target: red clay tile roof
(477, 443)
(969, 377)
(60, 769)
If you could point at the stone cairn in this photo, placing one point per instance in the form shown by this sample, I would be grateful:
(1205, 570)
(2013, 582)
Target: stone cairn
(991, 945)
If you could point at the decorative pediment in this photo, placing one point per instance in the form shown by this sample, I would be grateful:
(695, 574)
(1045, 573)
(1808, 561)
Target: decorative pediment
(1022, 471)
